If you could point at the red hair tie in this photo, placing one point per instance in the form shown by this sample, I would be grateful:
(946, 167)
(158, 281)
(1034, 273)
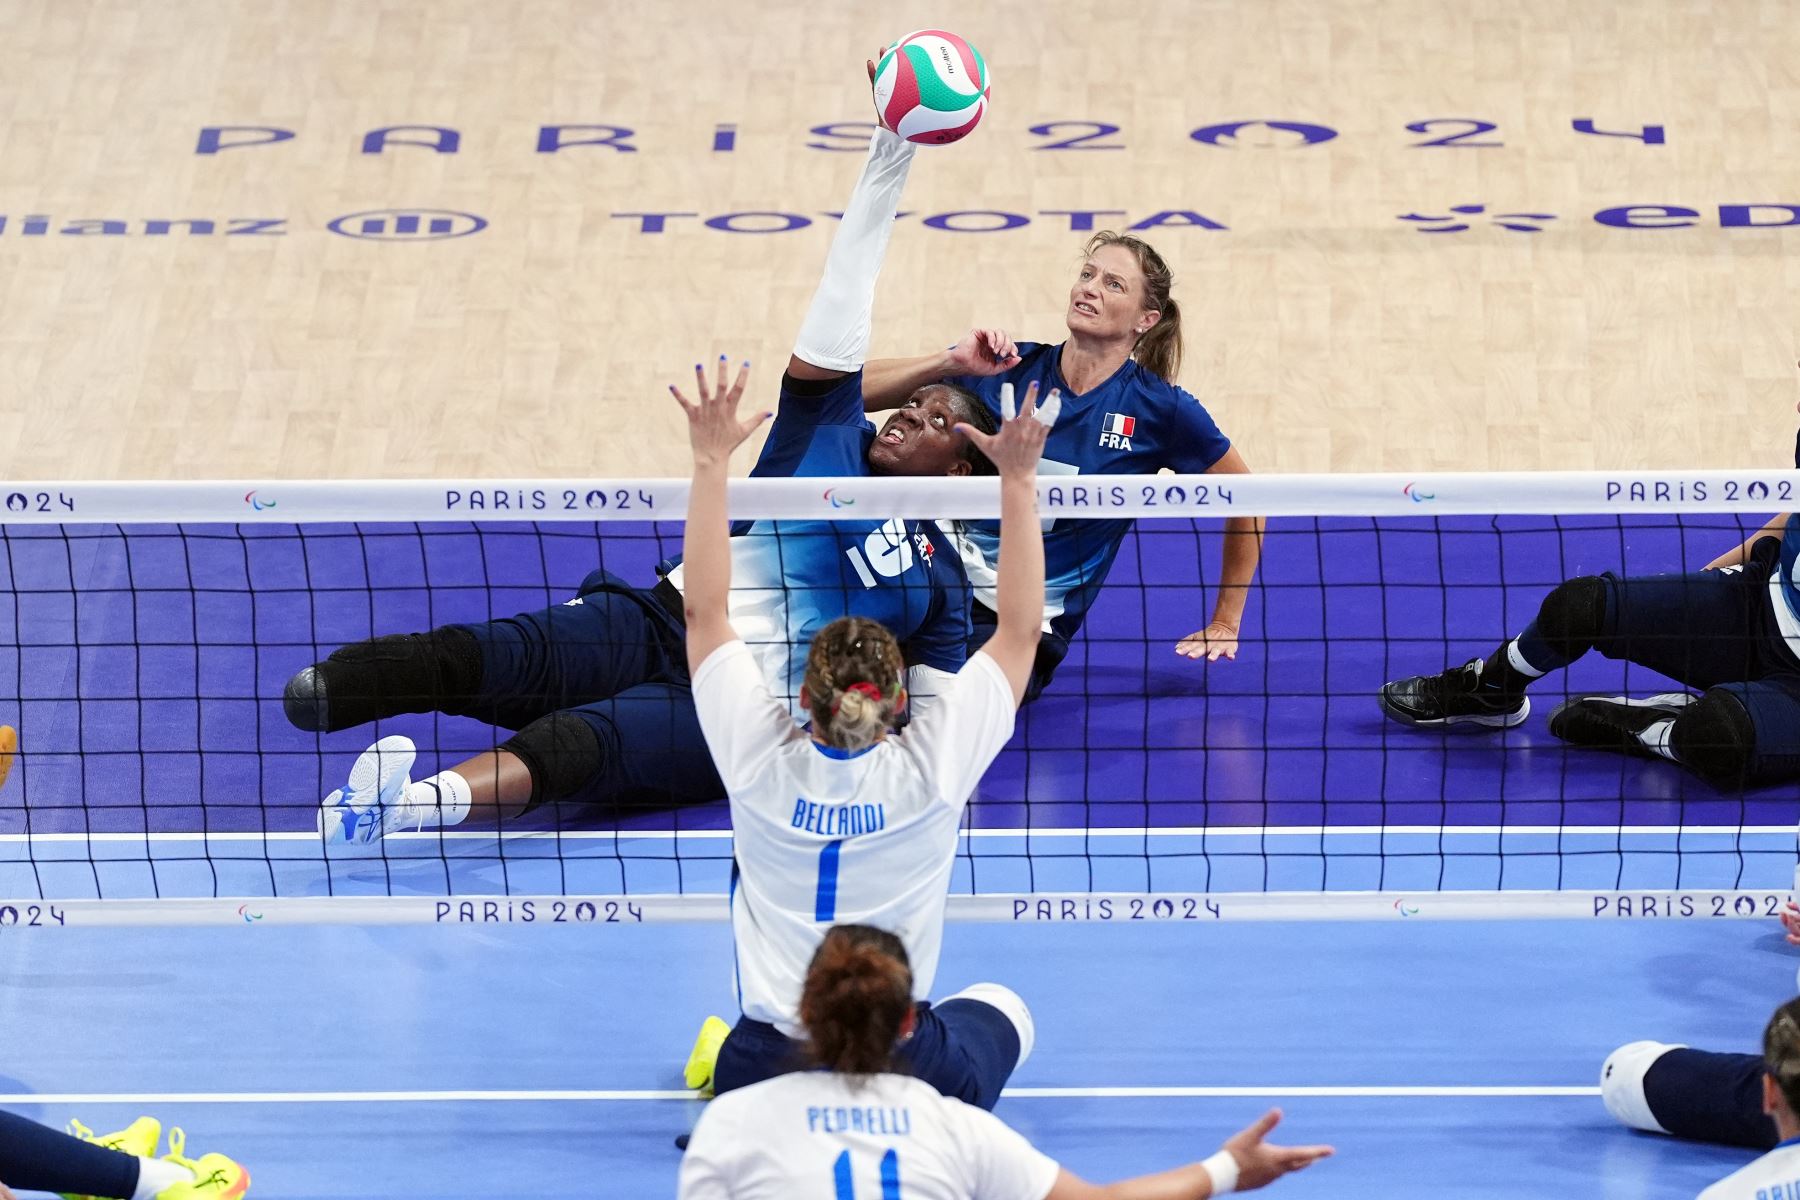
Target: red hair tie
(867, 689)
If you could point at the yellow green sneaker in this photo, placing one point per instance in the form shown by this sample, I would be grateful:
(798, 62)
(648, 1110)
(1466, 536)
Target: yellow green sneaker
(215, 1176)
(704, 1057)
(137, 1139)
(9, 749)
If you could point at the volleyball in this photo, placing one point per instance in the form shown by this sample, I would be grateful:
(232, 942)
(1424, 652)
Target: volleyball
(931, 87)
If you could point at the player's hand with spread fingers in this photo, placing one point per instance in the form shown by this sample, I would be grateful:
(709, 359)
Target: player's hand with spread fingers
(1259, 1163)
(714, 428)
(1017, 448)
(982, 352)
(1218, 640)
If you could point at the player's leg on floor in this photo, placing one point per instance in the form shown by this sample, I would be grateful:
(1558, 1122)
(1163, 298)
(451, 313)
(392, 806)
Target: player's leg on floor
(35, 1158)
(1700, 629)
(1491, 691)
(644, 745)
(506, 672)
(1695, 1094)
(969, 1044)
(1715, 734)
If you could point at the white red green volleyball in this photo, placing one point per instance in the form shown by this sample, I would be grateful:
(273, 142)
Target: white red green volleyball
(931, 87)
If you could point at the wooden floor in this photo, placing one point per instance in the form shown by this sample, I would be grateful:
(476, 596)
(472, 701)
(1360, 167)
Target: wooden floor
(1323, 332)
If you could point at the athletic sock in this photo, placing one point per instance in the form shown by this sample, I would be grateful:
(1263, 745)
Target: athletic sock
(1656, 739)
(1507, 670)
(835, 334)
(157, 1174)
(443, 799)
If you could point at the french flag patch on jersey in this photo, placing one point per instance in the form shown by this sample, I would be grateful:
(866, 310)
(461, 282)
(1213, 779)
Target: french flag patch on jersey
(1116, 433)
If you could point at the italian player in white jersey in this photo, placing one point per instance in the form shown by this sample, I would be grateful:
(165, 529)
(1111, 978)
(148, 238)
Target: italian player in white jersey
(1776, 1175)
(845, 821)
(861, 1128)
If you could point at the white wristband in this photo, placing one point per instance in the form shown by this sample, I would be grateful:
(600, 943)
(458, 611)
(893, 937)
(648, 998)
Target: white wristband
(1224, 1172)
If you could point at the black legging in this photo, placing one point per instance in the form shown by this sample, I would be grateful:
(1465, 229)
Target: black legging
(35, 1158)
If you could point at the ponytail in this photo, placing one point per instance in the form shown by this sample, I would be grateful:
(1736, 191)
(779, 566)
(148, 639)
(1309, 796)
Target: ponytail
(1159, 350)
(853, 682)
(858, 991)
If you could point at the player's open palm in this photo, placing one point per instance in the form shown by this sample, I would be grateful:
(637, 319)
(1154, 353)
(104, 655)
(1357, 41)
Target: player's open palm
(1259, 1163)
(1016, 449)
(714, 428)
(983, 352)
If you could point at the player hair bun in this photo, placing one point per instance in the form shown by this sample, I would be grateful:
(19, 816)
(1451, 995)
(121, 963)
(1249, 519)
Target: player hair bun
(857, 993)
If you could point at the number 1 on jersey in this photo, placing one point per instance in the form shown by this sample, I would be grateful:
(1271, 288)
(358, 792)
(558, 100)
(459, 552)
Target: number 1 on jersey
(825, 899)
(890, 1176)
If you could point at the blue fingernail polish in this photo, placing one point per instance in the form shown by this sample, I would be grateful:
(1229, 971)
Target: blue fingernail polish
(721, 358)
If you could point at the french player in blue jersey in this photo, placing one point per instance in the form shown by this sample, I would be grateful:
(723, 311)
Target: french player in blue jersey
(1122, 414)
(1731, 631)
(598, 689)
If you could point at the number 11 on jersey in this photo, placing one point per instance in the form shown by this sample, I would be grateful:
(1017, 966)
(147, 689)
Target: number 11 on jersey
(890, 1176)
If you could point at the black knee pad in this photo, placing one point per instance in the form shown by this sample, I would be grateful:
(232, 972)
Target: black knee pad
(561, 751)
(397, 673)
(1573, 615)
(1716, 737)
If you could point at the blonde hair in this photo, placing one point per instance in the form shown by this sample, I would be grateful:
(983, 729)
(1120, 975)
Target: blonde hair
(1158, 350)
(853, 674)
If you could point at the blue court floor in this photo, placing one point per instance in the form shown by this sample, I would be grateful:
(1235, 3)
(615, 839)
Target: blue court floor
(1446, 1059)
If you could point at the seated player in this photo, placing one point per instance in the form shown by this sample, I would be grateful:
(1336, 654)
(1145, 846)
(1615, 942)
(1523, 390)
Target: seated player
(842, 820)
(1731, 630)
(597, 689)
(120, 1165)
(782, 1137)
(1775, 1173)
(1705, 1095)
(1123, 414)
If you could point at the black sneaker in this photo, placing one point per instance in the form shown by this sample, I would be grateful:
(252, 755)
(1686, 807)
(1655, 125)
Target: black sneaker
(1455, 697)
(1614, 722)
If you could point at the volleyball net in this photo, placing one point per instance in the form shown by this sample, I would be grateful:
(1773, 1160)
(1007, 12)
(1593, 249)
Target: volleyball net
(147, 630)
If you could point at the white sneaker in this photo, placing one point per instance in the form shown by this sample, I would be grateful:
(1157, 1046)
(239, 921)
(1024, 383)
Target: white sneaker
(373, 804)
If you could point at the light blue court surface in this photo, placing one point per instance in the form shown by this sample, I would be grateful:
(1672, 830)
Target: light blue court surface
(1444, 1059)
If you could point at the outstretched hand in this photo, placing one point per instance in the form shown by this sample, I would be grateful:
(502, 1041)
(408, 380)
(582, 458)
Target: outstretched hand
(1259, 1163)
(983, 352)
(714, 429)
(1016, 449)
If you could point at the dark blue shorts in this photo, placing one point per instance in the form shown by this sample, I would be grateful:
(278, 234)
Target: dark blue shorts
(616, 657)
(964, 1048)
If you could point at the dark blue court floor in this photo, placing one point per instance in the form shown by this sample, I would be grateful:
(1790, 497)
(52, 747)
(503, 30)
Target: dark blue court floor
(264, 1041)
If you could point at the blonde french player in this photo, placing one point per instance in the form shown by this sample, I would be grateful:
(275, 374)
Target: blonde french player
(845, 820)
(858, 1127)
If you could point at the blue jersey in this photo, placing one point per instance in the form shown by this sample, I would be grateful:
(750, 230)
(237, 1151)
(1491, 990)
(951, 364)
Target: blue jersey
(1136, 423)
(789, 579)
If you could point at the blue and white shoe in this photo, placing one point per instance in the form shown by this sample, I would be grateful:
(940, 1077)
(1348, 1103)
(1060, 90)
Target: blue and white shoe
(373, 804)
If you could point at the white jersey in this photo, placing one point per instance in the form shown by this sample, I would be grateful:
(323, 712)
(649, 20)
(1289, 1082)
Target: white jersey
(827, 837)
(817, 1136)
(1774, 1176)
